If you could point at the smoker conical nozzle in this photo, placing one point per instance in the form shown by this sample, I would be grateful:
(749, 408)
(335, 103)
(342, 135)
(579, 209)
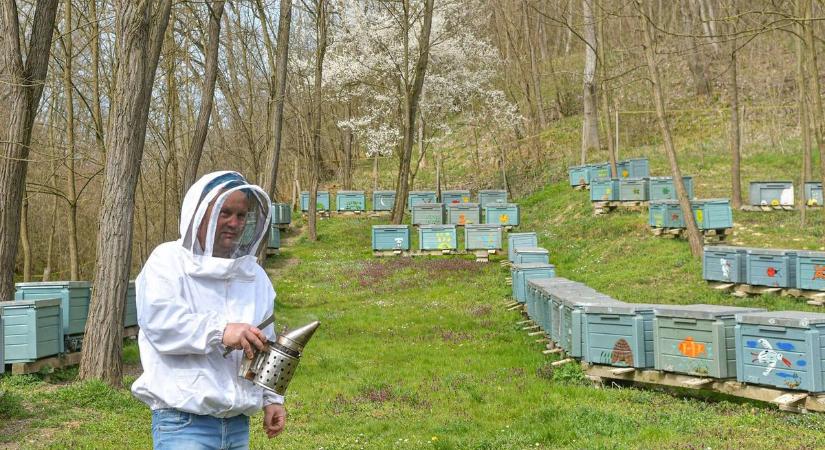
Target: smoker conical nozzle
(296, 339)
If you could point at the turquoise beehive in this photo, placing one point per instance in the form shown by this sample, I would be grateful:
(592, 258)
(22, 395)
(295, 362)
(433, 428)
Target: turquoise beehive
(482, 237)
(355, 201)
(74, 297)
(505, 214)
(322, 201)
(525, 255)
(274, 237)
(633, 189)
(771, 193)
(455, 196)
(598, 170)
(32, 329)
(427, 214)
(463, 213)
(417, 197)
(437, 237)
(810, 270)
(723, 263)
(281, 214)
(390, 237)
(572, 322)
(697, 339)
(578, 175)
(619, 334)
(656, 214)
(541, 291)
(522, 273)
(813, 193)
(604, 189)
(662, 188)
(487, 197)
(516, 240)
(130, 312)
(771, 267)
(383, 200)
(712, 213)
(633, 168)
(782, 349)
(557, 294)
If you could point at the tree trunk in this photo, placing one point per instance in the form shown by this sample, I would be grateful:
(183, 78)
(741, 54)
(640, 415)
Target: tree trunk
(24, 82)
(315, 166)
(696, 58)
(590, 122)
(694, 238)
(94, 43)
(348, 151)
(604, 98)
(24, 239)
(71, 185)
(735, 134)
(814, 88)
(375, 172)
(138, 42)
(535, 69)
(207, 96)
(804, 118)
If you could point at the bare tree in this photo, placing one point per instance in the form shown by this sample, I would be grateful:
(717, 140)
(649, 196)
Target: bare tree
(735, 133)
(315, 165)
(590, 122)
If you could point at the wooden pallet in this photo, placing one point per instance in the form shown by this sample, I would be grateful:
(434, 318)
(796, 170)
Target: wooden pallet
(815, 298)
(710, 236)
(388, 253)
(604, 207)
(582, 187)
(434, 252)
(787, 400)
(767, 208)
(483, 255)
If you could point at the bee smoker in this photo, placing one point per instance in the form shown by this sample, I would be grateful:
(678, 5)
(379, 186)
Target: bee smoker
(273, 367)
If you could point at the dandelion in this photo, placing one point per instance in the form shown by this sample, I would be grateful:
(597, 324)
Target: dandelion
(434, 438)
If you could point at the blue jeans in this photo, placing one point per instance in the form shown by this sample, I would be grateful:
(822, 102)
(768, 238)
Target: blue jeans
(178, 430)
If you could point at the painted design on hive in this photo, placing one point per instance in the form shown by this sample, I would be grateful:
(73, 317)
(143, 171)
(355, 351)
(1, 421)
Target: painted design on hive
(691, 348)
(666, 191)
(792, 380)
(726, 266)
(504, 218)
(772, 272)
(622, 353)
(444, 241)
(462, 219)
(819, 273)
(699, 215)
(399, 241)
(769, 356)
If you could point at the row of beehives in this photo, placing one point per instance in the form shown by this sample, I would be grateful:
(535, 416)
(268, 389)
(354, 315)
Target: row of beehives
(396, 238)
(356, 201)
(765, 267)
(629, 168)
(710, 214)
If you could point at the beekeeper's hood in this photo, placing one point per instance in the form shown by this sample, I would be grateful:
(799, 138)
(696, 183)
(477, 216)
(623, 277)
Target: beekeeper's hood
(218, 186)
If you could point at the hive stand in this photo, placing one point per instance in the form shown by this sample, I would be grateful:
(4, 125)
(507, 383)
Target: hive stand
(710, 236)
(766, 208)
(390, 253)
(604, 207)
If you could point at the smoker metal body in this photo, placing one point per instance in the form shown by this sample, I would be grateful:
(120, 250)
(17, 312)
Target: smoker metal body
(274, 367)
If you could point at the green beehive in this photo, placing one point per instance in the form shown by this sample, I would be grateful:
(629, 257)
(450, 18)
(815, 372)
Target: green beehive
(505, 214)
(697, 339)
(130, 312)
(488, 197)
(281, 214)
(437, 237)
(604, 189)
(427, 214)
(74, 297)
(482, 237)
(524, 255)
(662, 188)
(32, 329)
(274, 242)
(350, 201)
(633, 189)
(417, 197)
(383, 200)
(455, 196)
(813, 193)
(463, 214)
(322, 201)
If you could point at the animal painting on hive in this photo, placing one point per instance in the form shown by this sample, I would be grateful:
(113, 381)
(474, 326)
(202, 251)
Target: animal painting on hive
(691, 348)
(819, 273)
(768, 356)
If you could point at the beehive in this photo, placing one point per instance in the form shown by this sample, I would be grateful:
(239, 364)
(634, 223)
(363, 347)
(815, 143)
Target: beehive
(418, 197)
(604, 189)
(463, 213)
(525, 255)
(542, 289)
(427, 214)
(390, 237)
(810, 270)
(656, 214)
(712, 213)
(771, 267)
(578, 175)
(281, 214)
(572, 334)
(488, 197)
(74, 297)
(619, 334)
(598, 170)
(522, 273)
(130, 312)
(502, 214)
(723, 263)
(322, 201)
(455, 196)
(662, 188)
(517, 240)
(437, 237)
(482, 237)
(350, 201)
(383, 200)
(781, 348)
(771, 193)
(532, 302)
(32, 329)
(813, 193)
(274, 237)
(633, 168)
(557, 294)
(633, 189)
(697, 339)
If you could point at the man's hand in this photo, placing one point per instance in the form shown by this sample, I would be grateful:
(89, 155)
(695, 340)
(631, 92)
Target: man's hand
(245, 336)
(274, 419)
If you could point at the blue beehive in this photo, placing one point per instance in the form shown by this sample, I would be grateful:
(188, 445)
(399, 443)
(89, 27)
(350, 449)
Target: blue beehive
(383, 200)
(390, 237)
(572, 334)
(556, 294)
(427, 214)
(455, 196)
(810, 270)
(350, 201)
(502, 214)
(771, 267)
(656, 214)
(522, 273)
(130, 312)
(516, 240)
(598, 170)
(633, 189)
(74, 297)
(722, 263)
(417, 197)
(437, 237)
(32, 329)
(543, 288)
(281, 214)
(532, 299)
(274, 242)
(712, 213)
(604, 189)
(771, 193)
(463, 213)
(619, 334)
(487, 197)
(482, 237)
(662, 188)
(813, 193)
(524, 255)
(633, 168)
(578, 175)
(781, 348)
(697, 339)
(322, 201)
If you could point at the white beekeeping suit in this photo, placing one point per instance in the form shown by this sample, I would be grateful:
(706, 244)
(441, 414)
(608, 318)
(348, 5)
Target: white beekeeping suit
(185, 298)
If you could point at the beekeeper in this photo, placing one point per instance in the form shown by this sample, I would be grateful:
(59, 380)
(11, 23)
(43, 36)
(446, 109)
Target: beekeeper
(196, 297)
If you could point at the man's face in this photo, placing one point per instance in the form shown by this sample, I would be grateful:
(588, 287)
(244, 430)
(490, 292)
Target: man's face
(230, 225)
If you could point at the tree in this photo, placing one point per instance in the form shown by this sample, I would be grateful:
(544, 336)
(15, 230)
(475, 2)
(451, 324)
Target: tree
(139, 31)
(590, 122)
(315, 164)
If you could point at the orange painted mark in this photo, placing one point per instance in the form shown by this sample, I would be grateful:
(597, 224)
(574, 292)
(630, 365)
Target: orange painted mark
(462, 220)
(691, 348)
(504, 218)
(819, 273)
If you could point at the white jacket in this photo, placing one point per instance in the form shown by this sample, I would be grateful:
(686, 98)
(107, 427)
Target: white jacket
(185, 298)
